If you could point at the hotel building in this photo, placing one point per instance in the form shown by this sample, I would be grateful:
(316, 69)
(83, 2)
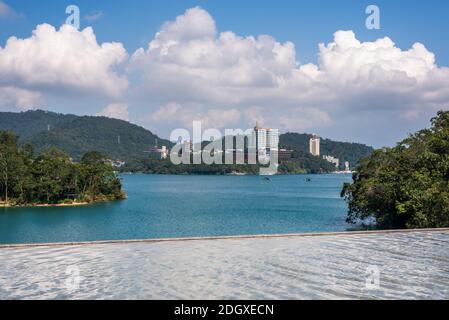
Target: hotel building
(314, 145)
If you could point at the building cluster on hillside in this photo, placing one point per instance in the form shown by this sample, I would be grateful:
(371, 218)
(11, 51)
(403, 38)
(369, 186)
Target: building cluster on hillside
(161, 153)
(265, 142)
(116, 164)
(333, 160)
(261, 144)
(315, 149)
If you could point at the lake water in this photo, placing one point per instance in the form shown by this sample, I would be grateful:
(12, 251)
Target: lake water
(161, 206)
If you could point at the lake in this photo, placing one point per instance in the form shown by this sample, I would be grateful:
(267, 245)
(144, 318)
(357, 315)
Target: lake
(166, 206)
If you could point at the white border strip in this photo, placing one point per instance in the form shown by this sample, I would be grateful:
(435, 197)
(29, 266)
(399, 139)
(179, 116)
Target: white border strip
(242, 237)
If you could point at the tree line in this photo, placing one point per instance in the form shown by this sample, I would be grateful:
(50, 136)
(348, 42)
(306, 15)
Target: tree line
(51, 177)
(406, 186)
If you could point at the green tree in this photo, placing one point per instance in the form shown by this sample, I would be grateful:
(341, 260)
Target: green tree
(406, 186)
(9, 163)
(54, 173)
(97, 177)
(52, 177)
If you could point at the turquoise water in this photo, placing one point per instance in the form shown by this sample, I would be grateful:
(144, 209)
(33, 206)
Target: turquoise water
(185, 206)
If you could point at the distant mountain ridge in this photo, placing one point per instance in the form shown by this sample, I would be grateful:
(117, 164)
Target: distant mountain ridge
(122, 140)
(28, 123)
(77, 135)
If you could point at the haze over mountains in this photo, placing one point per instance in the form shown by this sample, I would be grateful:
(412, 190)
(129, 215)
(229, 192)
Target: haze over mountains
(126, 141)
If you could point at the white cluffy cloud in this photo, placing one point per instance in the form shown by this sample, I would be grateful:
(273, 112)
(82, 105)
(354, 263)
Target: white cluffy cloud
(20, 98)
(174, 114)
(116, 111)
(64, 62)
(190, 62)
(191, 71)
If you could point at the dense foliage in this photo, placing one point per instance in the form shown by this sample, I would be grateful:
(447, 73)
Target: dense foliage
(406, 186)
(124, 141)
(52, 177)
(156, 166)
(299, 163)
(344, 151)
(304, 162)
(76, 135)
(29, 123)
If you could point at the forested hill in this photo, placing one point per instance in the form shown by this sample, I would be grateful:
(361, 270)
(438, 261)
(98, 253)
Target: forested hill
(27, 124)
(345, 151)
(122, 140)
(76, 135)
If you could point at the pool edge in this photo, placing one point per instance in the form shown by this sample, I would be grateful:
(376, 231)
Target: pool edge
(212, 238)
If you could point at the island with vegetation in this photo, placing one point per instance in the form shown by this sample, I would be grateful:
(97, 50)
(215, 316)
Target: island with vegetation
(406, 186)
(52, 178)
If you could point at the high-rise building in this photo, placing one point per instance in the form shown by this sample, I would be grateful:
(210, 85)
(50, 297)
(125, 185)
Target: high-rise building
(263, 141)
(262, 138)
(259, 137)
(187, 147)
(314, 145)
(272, 138)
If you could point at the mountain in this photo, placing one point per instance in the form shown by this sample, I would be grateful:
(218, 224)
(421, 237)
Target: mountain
(77, 135)
(345, 151)
(26, 124)
(122, 140)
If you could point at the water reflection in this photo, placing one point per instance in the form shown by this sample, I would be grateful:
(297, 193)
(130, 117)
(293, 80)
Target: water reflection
(410, 265)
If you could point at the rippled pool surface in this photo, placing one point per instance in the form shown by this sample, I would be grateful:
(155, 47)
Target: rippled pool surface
(411, 266)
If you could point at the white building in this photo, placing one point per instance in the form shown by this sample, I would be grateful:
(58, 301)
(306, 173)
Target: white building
(263, 141)
(261, 137)
(160, 152)
(187, 147)
(272, 139)
(258, 138)
(314, 145)
(347, 167)
(333, 160)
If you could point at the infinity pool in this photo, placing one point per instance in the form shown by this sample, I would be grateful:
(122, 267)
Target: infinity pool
(404, 265)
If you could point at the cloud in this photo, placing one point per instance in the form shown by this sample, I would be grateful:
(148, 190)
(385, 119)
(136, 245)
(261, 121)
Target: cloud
(176, 115)
(64, 62)
(189, 55)
(116, 111)
(7, 12)
(190, 62)
(303, 119)
(19, 98)
(94, 16)
(192, 71)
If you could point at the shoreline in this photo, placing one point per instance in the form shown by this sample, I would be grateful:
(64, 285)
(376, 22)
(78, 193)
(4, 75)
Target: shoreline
(234, 175)
(57, 205)
(46, 205)
(225, 238)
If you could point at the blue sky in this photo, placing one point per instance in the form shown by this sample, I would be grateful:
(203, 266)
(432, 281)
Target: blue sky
(355, 116)
(305, 23)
